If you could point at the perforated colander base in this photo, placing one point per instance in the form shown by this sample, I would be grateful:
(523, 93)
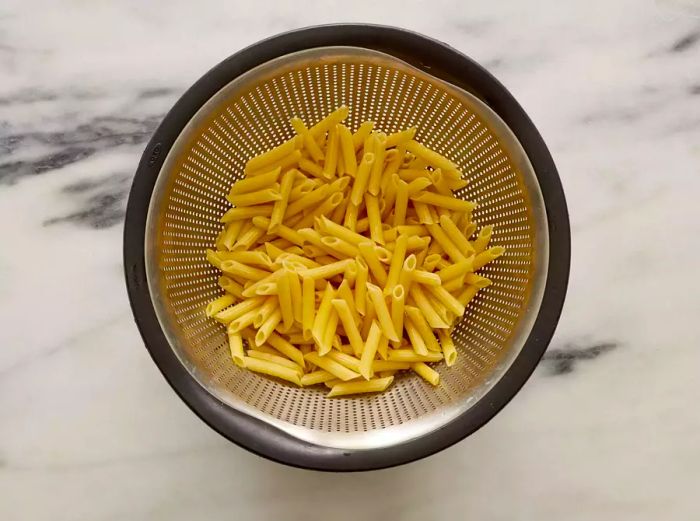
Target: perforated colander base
(250, 116)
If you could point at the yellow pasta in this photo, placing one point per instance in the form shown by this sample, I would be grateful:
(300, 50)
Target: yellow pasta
(272, 369)
(375, 219)
(382, 311)
(398, 298)
(372, 386)
(349, 325)
(378, 166)
(346, 258)
(330, 365)
(362, 178)
(219, 304)
(235, 343)
(426, 372)
(370, 350)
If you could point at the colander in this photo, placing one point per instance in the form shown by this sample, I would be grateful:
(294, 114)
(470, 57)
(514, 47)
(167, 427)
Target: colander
(397, 79)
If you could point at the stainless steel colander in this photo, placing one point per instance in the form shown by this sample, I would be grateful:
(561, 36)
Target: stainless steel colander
(396, 79)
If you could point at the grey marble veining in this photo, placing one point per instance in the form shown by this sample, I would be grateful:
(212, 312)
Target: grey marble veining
(606, 428)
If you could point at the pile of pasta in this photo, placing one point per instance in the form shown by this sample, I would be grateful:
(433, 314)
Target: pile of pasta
(347, 258)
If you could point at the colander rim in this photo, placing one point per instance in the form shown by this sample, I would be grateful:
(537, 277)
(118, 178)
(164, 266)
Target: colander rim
(444, 62)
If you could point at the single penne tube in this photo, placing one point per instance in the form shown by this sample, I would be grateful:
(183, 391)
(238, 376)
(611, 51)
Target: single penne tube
(285, 299)
(375, 219)
(247, 212)
(262, 196)
(339, 213)
(331, 366)
(325, 208)
(428, 374)
(371, 386)
(400, 203)
(455, 184)
(362, 178)
(467, 294)
(340, 248)
(477, 280)
(268, 326)
(235, 344)
(448, 347)
(444, 201)
(399, 138)
(388, 365)
(456, 236)
(309, 142)
(272, 156)
(370, 350)
(443, 240)
(253, 184)
(349, 325)
(380, 308)
(344, 292)
(316, 377)
(369, 254)
(296, 294)
(239, 269)
(322, 313)
(482, 240)
(444, 296)
(411, 174)
(283, 164)
(326, 271)
(280, 206)
(275, 359)
(219, 304)
(418, 319)
(397, 260)
(486, 256)
(405, 277)
(300, 189)
(308, 305)
(264, 311)
(347, 149)
(329, 332)
(383, 347)
(458, 269)
(415, 338)
(426, 277)
(283, 231)
(230, 286)
(368, 318)
(388, 199)
(332, 152)
(345, 359)
(255, 258)
(350, 220)
(330, 121)
(363, 131)
(429, 156)
(361, 285)
(409, 355)
(398, 298)
(375, 176)
(272, 369)
(331, 228)
(230, 314)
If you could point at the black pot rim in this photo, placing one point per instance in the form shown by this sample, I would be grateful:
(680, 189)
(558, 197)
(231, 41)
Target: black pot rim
(445, 63)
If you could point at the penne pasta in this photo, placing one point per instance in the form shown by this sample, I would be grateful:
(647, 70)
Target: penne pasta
(331, 366)
(370, 350)
(483, 258)
(380, 308)
(448, 347)
(372, 386)
(349, 325)
(272, 369)
(375, 176)
(428, 374)
(235, 343)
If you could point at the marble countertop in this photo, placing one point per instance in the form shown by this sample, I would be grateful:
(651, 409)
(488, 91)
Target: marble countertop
(607, 428)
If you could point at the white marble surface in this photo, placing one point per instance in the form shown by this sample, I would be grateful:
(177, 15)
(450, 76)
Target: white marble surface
(608, 426)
